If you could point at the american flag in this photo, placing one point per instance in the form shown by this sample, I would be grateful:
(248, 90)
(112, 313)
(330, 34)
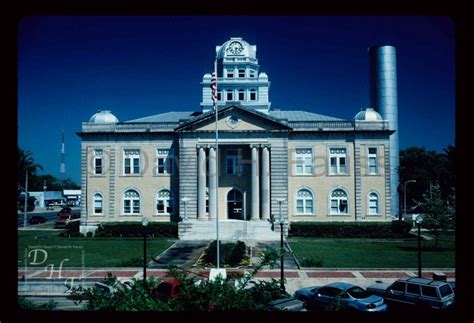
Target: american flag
(214, 88)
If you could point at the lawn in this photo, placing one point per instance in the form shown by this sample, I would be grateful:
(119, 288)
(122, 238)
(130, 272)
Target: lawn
(88, 252)
(373, 253)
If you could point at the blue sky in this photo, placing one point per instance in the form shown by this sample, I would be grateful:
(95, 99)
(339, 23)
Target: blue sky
(71, 66)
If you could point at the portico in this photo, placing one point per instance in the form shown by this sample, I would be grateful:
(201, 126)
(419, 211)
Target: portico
(242, 167)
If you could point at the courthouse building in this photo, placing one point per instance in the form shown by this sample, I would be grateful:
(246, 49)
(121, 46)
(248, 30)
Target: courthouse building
(308, 166)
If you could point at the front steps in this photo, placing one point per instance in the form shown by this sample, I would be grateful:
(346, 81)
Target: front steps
(228, 230)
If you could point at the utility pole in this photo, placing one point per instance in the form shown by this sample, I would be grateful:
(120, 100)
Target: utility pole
(26, 201)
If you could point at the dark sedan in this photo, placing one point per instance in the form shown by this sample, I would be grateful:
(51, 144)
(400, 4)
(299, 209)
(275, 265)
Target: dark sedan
(340, 296)
(37, 219)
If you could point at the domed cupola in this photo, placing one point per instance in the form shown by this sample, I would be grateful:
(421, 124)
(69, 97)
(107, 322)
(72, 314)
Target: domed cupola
(236, 47)
(103, 116)
(368, 114)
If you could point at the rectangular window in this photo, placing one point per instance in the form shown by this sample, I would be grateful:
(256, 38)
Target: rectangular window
(337, 161)
(304, 161)
(334, 209)
(160, 206)
(373, 206)
(299, 207)
(343, 206)
(126, 207)
(241, 73)
(413, 289)
(131, 161)
(230, 73)
(253, 95)
(219, 95)
(251, 73)
(233, 162)
(429, 291)
(309, 206)
(98, 206)
(136, 206)
(98, 153)
(230, 95)
(241, 95)
(372, 159)
(165, 158)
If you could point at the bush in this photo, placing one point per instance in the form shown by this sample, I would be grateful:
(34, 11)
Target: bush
(230, 253)
(90, 234)
(29, 305)
(71, 230)
(350, 229)
(310, 262)
(135, 229)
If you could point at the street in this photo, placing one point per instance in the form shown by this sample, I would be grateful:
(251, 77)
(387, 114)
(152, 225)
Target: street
(50, 215)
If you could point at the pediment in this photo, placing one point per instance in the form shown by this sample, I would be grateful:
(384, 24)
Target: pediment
(234, 118)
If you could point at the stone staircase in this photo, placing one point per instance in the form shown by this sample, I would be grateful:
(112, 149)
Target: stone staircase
(228, 230)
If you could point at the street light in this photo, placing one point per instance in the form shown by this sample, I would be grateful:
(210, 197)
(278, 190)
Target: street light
(282, 222)
(185, 201)
(145, 224)
(418, 220)
(405, 197)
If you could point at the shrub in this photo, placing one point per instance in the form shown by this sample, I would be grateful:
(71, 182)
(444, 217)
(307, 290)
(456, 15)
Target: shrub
(90, 234)
(135, 229)
(401, 227)
(310, 262)
(349, 230)
(230, 253)
(29, 305)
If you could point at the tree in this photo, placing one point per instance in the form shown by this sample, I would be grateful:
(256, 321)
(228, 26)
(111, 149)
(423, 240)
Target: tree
(439, 212)
(25, 163)
(426, 167)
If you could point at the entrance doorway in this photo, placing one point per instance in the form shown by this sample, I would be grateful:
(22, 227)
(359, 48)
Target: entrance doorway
(235, 202)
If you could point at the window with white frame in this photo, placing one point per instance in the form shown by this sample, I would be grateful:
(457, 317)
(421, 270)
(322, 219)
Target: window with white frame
(131, 202)
(230, 95)
(164, 202)
(304, 201)
(232, 162)
(303, 161)
(372, 160)
(165, 161)
(338, 161)
(97, 203)
(373, 203)
(219, 95)
(241, 72)
(131, 161)
(339, 202)
(230, 73)
(98, 161)
(241, 95)
(251, 73)
(253, 95)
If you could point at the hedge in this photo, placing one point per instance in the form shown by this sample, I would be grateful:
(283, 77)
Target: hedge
(135, 229)
(395, 229)
(230, 253)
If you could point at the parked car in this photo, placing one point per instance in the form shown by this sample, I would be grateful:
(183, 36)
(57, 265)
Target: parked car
(36, 219)
(64, 211)
(345, 295)
(289, 304)
(65, 219)
(415, 293)
(168, 289)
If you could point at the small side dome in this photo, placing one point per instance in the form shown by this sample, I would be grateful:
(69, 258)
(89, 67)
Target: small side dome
(104, 116)
(368, 114)
(263, 75)
(206, 77)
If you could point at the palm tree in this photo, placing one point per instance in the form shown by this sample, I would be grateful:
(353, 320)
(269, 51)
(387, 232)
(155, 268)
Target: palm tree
(25, 163)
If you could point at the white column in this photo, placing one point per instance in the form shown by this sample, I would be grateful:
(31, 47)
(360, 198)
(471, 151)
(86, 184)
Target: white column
(255, 210)
(212, 183)
(201, 214)
(265, 183)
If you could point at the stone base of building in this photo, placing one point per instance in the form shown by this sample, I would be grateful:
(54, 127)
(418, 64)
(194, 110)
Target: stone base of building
(229, 230)
(84, 228)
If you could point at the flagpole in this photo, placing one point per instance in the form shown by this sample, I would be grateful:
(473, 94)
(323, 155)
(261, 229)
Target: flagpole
(217, 172)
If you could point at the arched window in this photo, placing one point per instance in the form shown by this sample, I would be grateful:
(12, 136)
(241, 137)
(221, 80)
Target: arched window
(339, 202)
(241, 94)
(304, 201)
(131, 202)
(253, 95)
(373, 204)
(164, 202)
(98, 203)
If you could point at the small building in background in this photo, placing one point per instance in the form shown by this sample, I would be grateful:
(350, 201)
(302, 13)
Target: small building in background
(73, 197)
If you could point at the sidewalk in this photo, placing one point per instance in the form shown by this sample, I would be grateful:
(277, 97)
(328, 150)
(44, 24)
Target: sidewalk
(295, 279)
